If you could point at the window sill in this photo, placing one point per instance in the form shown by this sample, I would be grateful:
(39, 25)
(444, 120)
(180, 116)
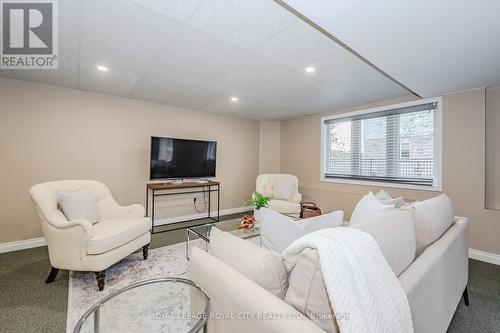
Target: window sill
(382, 184)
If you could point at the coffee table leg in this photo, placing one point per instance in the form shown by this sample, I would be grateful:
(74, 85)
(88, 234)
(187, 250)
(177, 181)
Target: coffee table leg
(97, 319)
(187, 244)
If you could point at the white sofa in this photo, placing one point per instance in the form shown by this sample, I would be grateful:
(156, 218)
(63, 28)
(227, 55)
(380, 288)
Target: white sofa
(434, 283)
(284, 190)
(82, 246)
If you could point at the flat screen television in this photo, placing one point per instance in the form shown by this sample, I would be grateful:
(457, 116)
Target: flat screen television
(182, 158)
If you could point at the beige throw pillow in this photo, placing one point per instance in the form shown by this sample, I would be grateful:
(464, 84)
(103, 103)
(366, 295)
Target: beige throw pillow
(432, 218)
(264, 267)
(79, 204)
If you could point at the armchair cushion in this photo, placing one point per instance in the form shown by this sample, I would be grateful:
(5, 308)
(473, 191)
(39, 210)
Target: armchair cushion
(78, 204)
(110, 234)
(284, 187)
(284, 206)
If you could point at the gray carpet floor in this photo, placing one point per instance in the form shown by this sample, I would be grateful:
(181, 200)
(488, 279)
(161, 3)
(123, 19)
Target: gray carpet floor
(28, 305)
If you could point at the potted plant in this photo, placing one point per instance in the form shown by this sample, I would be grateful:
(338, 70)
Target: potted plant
(258, 200)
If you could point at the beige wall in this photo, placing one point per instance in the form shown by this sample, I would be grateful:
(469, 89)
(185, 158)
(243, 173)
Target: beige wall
(463, 165)
(50, 133)
(493, 148)
(270, 145)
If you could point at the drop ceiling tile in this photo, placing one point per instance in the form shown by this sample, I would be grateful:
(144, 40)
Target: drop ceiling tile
(124, 34)
(197, 98)
(243, 22)
(65, 75)
(287, 89)
(280, 115)
(225, 105)
(152, 89)
(113, 82)
(254, 111)
(243, 71)
(298, 46)
(180, 10)
(193, 56)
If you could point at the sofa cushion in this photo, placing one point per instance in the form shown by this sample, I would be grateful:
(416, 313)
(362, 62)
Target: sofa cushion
(307, 292)
(264, 267)
(284, 187)
(369, 207)
(394, 232)
(283, 206)
(110, 234)
(79, 204)
(432, 218)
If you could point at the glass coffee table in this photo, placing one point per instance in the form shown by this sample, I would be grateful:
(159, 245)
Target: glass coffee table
(205, 231)
(169, 305)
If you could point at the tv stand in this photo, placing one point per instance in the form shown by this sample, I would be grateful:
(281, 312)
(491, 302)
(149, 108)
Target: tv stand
(184, 187)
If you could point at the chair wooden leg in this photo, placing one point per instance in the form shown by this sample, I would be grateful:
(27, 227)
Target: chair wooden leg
(99, 276)
(466, 296)
(52, 275)
(145, 250)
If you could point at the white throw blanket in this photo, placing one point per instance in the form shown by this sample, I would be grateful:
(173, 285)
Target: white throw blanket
(361, 285)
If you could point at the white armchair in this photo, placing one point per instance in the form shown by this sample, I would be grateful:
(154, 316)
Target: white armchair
(82, 246)
(284, 190)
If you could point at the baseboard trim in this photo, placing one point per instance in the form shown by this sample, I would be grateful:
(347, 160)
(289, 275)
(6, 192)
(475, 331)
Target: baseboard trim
(159, 222)
(485, 256)
(22, 244)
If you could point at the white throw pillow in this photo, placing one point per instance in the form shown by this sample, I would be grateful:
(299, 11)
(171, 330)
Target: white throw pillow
(330, 220)
(386, 199)
(368, 208)
(432, 218)
(394, 232)
(279, 231)
(264, 267)
(79, 205)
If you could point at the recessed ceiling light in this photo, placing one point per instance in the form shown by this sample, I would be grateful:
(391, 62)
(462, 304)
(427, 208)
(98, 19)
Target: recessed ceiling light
(102, 68)
(235, 99)
(310, 69)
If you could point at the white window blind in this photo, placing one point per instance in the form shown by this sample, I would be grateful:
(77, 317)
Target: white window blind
(396, 145)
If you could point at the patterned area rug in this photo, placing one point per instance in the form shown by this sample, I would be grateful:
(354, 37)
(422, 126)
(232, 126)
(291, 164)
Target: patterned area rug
(168, 261)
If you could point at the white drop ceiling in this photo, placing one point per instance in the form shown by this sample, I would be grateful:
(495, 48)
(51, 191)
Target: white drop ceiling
(197, 54)
(434, 47)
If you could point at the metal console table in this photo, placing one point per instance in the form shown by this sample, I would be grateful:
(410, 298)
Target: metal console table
(164, 189)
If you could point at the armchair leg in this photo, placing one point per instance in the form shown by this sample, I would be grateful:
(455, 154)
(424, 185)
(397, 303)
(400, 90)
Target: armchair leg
(466, 296)
(145, 250)
(99, 276)
(52, 275)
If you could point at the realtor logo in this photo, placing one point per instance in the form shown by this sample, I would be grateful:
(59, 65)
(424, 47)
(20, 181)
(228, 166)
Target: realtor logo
(29, 34)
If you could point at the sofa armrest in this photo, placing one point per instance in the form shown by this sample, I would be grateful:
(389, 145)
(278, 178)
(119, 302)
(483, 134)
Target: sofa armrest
(296, 198)
(434, 282)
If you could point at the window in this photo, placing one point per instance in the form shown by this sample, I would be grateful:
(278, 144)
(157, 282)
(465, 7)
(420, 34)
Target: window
(398, 145)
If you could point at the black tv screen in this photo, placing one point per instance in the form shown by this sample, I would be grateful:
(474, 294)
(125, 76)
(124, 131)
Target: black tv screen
(181, 158)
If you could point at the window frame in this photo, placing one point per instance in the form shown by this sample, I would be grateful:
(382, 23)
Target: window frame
(438, 147)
